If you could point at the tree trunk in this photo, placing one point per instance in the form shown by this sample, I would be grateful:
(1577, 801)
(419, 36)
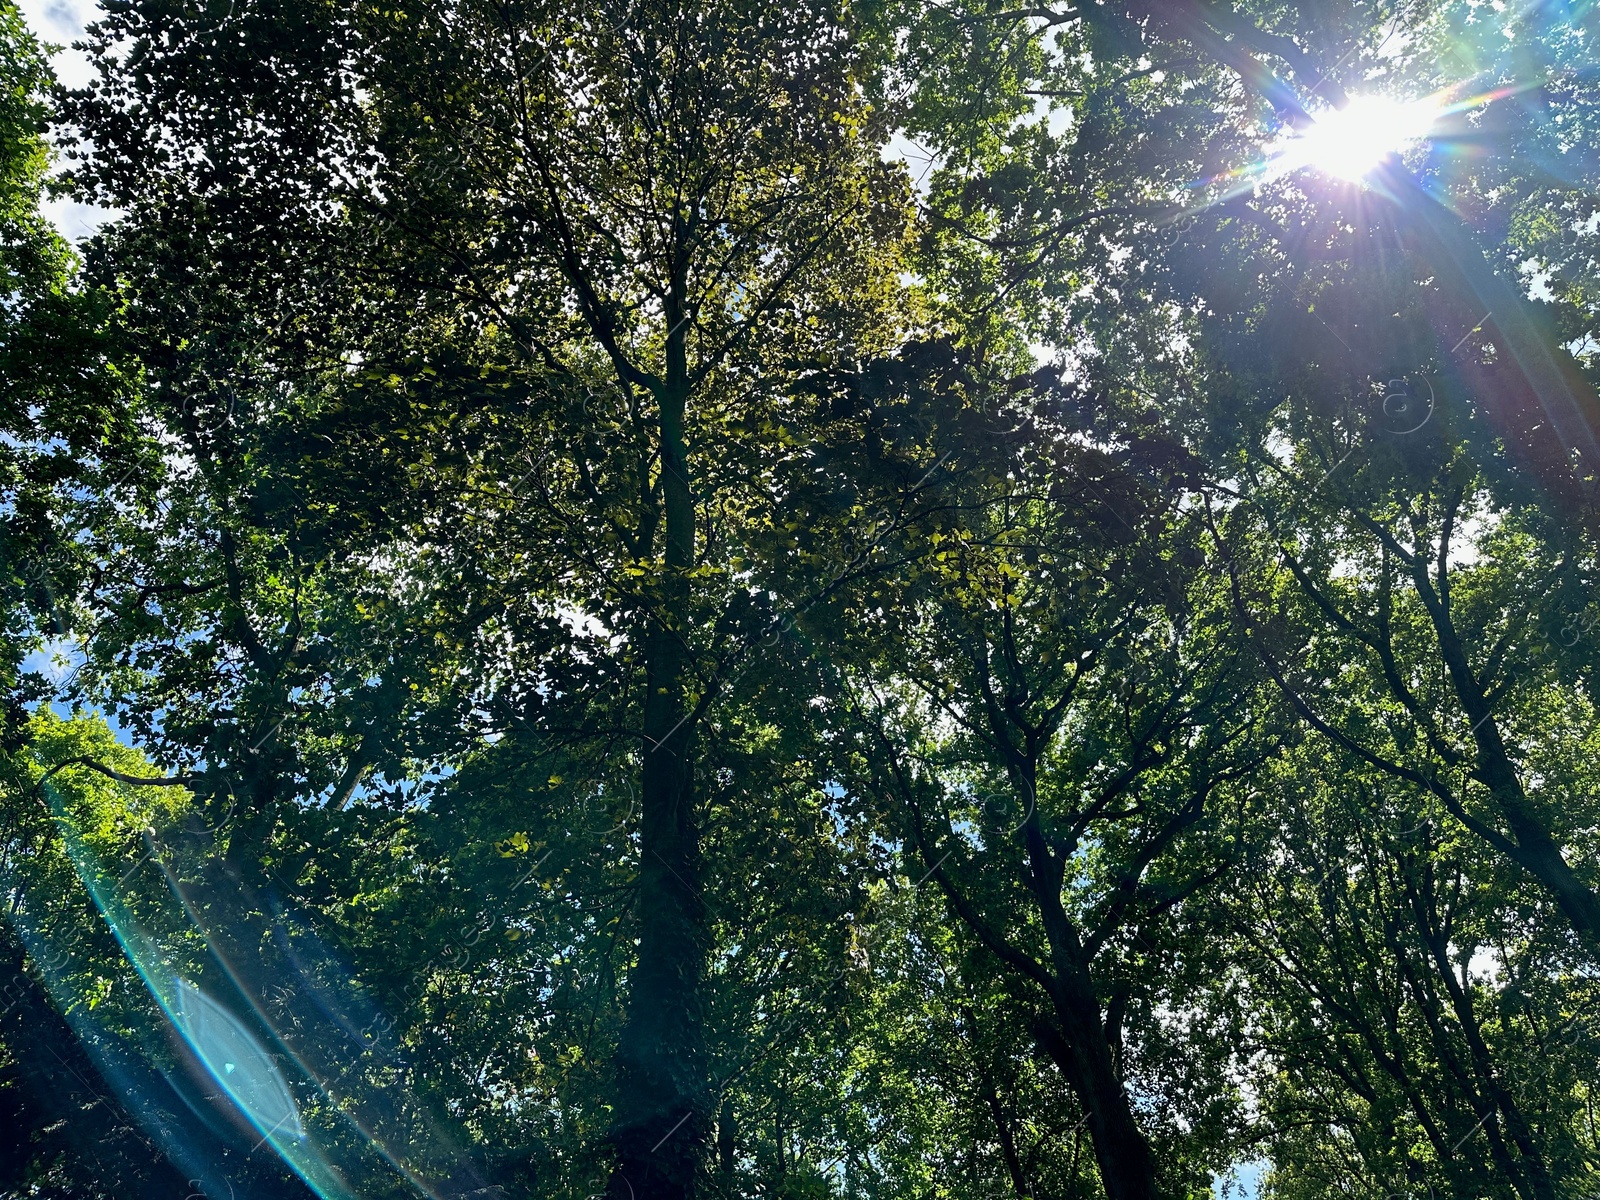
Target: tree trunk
(1537, 1183)
(661, 1126)
(1081, 1044)
(1077, 1043)
(727, 1150)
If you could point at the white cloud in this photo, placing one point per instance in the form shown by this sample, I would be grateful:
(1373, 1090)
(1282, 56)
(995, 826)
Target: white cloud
(61, 22)
(76, 221)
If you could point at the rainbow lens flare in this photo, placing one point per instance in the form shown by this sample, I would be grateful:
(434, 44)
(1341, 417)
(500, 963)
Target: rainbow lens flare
(239, 1064)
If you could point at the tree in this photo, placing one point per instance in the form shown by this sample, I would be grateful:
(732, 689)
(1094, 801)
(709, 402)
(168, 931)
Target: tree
(601, 209)
(104, 1103)
(1120, 236)
(59, 420)
(665, 679)
(1049, 710)
(1385, 955)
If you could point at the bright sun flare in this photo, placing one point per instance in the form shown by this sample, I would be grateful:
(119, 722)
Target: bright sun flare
(1349, 142)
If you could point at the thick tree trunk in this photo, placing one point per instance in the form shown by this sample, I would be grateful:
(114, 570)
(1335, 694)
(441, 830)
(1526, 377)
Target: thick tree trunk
(662, 1123)
(1081, 1044)
(727, 1150)
(1076, 1041)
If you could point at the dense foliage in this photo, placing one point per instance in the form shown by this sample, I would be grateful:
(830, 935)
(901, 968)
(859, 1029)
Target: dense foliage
(723, 599)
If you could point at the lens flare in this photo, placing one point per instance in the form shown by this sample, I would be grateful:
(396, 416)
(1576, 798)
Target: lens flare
(246, 996)
(1349, 142)
(237, 1062)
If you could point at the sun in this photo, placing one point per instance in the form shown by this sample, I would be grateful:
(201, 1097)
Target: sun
(1349, 142)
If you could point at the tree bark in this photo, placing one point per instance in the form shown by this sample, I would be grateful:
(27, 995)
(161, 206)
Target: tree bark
(661, 1128)
(1076, 1041)
(1127, 1169)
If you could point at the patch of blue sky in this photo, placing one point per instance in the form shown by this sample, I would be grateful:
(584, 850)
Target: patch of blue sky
(59, 660)
(1242, 1181)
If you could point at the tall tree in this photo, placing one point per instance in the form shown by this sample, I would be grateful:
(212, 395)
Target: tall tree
(1150, 232)
(653, 619)
(646, 219)
(63, 440)
(1051, 711)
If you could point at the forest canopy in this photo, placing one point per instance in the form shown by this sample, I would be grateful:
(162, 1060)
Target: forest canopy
(703, 599)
